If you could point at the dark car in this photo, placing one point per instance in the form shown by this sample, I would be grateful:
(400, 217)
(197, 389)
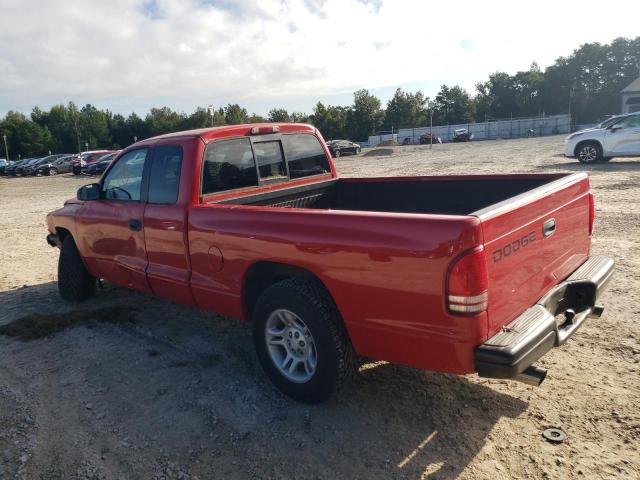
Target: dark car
(19, 170)
(10, 170)
(100, 165)
(62, 164)
(425, 139)
(341, 147)
(4, 164)
(32, 168)
(462, 135)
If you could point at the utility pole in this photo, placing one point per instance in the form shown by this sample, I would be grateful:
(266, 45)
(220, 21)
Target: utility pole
(6, 149)
(212, 113)
(431, 104)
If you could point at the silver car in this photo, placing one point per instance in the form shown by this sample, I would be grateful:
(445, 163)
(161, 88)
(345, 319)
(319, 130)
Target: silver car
(615, 137)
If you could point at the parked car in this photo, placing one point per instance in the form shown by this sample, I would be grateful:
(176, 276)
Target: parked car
(426, 139)
(86, 158)
(341, 147)
(19, 171)
(61, 164)
(462, 135)
(615, 137)
(10, 170)
(100, 165)
(31, 169)
(459, 274)
(4, 163)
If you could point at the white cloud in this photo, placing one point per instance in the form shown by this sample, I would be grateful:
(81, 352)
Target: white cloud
(184, 53)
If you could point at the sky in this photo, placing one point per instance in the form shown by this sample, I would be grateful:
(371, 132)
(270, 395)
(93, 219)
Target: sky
(130, 56)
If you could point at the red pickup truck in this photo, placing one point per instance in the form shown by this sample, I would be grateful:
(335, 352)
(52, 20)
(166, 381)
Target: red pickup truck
(460, 274)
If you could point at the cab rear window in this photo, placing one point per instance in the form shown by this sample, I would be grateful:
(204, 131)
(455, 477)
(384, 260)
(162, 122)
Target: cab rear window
(228, 164)
(305, 155)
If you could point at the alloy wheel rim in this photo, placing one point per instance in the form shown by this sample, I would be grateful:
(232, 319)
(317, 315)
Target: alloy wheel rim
(588, 154)
(291, 346)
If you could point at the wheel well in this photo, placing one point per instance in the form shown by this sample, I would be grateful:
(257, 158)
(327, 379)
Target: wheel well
(584, 142)
(62, 233)
(262, 275)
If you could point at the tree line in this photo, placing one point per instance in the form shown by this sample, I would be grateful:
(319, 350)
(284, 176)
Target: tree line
(586, 84)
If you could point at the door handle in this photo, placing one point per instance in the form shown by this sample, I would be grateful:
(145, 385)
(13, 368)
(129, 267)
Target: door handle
(549, 227)
(135, 225)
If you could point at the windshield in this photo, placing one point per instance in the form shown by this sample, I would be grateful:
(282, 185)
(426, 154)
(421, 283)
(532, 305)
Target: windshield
(609, 121)
(62, 160)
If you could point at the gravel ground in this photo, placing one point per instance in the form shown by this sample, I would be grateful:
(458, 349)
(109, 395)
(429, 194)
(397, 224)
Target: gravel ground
(128, 386)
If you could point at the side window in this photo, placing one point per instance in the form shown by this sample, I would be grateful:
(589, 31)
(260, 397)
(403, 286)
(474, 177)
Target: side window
(270, 160)
(164, 179)
(629, 122)
(228, 164)
(305, 155)
(124, 180)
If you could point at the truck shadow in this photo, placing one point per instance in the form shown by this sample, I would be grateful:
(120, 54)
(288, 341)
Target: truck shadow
(165, 378)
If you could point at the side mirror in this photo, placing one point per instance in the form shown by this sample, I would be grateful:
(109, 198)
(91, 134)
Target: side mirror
(89, 192)
(614, 128)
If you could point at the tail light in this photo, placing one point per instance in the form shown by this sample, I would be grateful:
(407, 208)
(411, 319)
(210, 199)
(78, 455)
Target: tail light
(592, 213)
(468, 282)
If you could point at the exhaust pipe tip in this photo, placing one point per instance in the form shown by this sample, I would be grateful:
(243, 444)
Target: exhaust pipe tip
(596, 311)
(532, 376)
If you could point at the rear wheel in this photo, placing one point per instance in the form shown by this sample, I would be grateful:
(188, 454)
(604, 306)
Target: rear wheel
(75, 283)
(301, 341)
(589, 152)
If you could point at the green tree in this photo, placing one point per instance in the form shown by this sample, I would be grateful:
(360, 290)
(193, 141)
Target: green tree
(24, 136)
(330, 120)
(299, 117)
(164, 120)
(279, 115)
(453, 105)
(234, 114)
(365, 116)
(406, 110)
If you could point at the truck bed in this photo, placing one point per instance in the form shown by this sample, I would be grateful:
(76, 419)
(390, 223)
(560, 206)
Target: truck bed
(462, 195)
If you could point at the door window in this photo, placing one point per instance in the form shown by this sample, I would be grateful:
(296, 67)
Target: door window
(124, 180)
(630, 122)
(164, 180)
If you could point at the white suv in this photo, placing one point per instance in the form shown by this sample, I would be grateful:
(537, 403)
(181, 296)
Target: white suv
(616, 137)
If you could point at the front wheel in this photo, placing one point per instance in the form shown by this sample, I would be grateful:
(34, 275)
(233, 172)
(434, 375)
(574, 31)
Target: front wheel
(75, 283)
(53, 171)
(357, 152)
(336, 154)
(301, 341)
(589, 152)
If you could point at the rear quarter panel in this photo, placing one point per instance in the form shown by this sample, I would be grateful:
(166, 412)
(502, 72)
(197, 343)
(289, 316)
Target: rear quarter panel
(385, 272)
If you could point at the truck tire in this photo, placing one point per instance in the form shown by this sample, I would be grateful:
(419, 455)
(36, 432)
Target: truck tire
(301, 341)
(589, 152)
(75, 283)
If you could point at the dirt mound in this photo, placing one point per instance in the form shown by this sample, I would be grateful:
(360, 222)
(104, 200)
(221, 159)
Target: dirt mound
(379, 152)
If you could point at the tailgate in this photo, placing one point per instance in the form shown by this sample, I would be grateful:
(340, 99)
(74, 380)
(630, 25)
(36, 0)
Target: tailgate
(534, 241)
